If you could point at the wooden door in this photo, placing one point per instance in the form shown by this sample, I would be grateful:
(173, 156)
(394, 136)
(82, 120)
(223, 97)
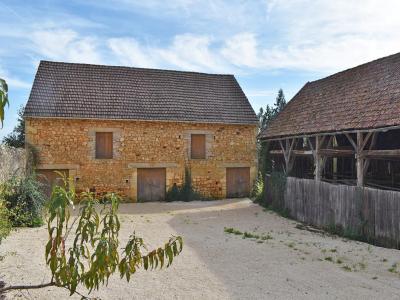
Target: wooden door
(151, 184)
(48, 178)
(237, 182)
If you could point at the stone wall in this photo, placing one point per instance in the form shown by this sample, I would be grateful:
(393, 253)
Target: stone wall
(70, 144)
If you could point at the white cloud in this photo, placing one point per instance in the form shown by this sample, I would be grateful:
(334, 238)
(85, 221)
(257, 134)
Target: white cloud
(129, 52)
(185, 52)
(242, 50)
(66, 45)
(318, 36)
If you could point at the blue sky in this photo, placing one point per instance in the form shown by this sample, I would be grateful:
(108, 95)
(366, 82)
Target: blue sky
(267, 44)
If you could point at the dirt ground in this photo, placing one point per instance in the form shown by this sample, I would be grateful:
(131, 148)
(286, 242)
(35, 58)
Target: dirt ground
(283, 262)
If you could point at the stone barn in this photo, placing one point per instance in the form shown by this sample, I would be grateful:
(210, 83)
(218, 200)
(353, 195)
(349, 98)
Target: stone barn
(134, 131)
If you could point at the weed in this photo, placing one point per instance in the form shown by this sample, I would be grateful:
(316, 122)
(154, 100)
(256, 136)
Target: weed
(384, 260)
(329, 258)
(333, 250)
(393, 268)
(375, 277)
(266, 237)
(346, 268)
(232, 231)
(291, 245)
(339, 261)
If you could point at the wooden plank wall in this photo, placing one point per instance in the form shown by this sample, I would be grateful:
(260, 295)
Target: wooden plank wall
(370, 213)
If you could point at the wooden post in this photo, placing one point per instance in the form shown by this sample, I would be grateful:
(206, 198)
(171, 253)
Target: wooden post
(317, 159)
(360, 160)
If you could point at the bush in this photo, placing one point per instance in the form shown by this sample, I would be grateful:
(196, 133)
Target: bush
(5, 225)
(24, 200)
(184, 193)
(258, 189)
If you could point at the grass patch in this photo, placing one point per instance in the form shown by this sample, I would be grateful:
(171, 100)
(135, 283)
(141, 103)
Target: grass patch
(232, 231)
(248, 235)
(329, 258)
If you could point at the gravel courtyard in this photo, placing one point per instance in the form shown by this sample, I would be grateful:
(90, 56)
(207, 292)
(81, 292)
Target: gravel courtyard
(284, 262)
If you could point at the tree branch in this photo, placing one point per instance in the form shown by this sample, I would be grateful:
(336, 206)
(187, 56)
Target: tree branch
(26, 287)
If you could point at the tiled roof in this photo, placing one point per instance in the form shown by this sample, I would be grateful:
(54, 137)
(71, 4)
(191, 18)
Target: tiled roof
(364, 97)
(69, 90)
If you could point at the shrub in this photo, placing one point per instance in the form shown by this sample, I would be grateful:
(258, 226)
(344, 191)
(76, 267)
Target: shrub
(5, 225)
(258, 189)
(24, 200)
(186, 192)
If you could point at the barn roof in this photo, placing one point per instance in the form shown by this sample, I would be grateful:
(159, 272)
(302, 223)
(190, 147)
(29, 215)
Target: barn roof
(70, 90)
(364, 97)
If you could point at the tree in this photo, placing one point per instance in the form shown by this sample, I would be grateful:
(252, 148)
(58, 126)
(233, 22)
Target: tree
(271, 111)
(265, 117)
(94, 255)
(17, 137)
(3, 99)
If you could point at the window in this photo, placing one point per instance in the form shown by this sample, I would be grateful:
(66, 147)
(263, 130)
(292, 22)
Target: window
(198, 146)
(104, 145)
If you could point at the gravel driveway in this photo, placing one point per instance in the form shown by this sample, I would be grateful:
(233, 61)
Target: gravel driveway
(280, 261)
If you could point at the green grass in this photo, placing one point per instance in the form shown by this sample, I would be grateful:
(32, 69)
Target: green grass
(248, 235)
(232, 231)
(329, 258)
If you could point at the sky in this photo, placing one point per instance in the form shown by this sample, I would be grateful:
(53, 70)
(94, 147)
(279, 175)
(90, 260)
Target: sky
(266, 44)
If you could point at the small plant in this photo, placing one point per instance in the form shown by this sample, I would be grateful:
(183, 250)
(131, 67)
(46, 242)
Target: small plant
(393, 268)
(5, 224)
(94, 254)
(232, 231)
(329, 258)
(339, 261)
(248, 235)
(346, 268)
(258, 189)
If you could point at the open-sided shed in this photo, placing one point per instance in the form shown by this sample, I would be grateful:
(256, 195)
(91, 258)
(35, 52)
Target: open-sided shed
(344, 128)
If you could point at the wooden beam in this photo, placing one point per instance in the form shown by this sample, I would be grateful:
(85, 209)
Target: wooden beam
(317, 158)
(352, 142)
(366, 139)
(383, 154)
(336, 152)
(371, 146)
(360, 161)
(295, 152)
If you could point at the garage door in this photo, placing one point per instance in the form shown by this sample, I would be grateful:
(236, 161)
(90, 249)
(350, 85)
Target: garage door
(49, 178)
(151, 184)
(237, 182)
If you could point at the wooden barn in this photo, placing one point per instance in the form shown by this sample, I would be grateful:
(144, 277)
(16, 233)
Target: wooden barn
(342, 130)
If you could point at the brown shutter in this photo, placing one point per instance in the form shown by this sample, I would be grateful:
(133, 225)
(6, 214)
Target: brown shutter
(198, 146)
(104, 145)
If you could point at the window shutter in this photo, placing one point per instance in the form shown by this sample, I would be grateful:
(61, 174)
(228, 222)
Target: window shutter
(104, 145)
(198, 146)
